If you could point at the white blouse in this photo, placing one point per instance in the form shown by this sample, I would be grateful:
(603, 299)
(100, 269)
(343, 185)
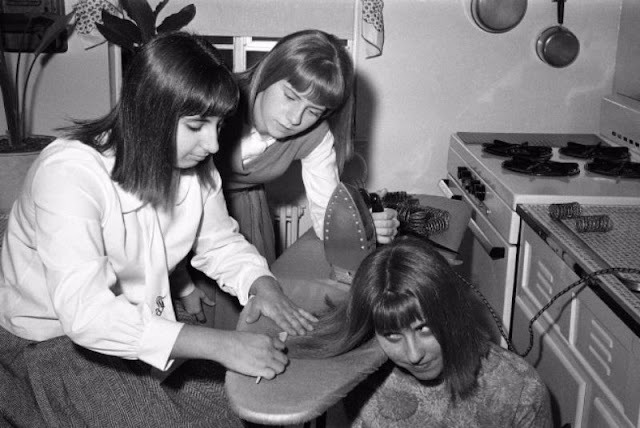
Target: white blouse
(86, 259)
(319, 172)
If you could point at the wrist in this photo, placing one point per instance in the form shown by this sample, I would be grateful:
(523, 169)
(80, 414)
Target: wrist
(262, 284)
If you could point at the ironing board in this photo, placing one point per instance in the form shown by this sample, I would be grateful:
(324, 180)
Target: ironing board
(309, 387)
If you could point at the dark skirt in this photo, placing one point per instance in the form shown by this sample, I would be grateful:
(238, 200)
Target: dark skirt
(56, 383)
(251, 210)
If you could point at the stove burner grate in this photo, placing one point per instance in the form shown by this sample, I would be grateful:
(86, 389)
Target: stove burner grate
(501, 148)
(543, 168)
(613, 168)
(584, 151)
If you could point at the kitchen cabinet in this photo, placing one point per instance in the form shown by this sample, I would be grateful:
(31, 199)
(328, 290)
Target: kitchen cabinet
(584, 352)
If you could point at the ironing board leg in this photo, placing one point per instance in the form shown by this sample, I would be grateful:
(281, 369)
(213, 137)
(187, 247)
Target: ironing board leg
(320, 422)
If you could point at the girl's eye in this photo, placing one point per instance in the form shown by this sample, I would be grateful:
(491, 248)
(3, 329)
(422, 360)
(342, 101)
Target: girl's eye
(194, 128)
(393, 337)
(315, 113)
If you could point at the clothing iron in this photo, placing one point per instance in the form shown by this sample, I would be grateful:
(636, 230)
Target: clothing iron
(349, 232)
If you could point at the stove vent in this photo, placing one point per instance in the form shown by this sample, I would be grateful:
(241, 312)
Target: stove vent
(620, 121)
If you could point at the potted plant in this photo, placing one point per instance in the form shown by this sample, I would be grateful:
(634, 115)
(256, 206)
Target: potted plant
(18, 147)
(132, 33)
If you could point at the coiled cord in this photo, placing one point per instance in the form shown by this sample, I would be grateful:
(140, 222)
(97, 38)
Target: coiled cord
(545, 307)
(584, 224)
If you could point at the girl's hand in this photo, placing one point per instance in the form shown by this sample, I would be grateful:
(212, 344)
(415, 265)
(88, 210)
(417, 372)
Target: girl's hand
(269, 300)
(193, 303)
(386, 224)
(248, 353)
(254, 354)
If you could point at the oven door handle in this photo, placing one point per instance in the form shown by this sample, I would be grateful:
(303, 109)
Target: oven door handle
(495, 253)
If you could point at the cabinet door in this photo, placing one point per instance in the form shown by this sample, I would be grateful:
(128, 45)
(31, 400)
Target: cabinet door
(602, 413)
(550, 356)
(606, 345)
(541, 276)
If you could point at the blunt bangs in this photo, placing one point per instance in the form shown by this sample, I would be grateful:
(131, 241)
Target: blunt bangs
(395, 312)
(320, 81)
(208, 94)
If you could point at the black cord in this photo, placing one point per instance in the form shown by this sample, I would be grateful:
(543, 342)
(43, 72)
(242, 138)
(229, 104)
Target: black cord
(545, 307)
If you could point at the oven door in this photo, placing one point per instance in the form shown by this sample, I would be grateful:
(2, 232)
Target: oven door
(488, 262)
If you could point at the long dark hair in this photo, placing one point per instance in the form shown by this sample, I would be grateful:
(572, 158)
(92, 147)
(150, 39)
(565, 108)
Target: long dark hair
(314, 61)
(172, 76)
(396, 285)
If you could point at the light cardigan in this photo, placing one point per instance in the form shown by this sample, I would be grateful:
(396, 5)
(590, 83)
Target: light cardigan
(86, 259)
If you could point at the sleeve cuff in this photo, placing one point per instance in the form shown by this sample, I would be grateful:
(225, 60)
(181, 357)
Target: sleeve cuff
(157, 342)
(250, 275)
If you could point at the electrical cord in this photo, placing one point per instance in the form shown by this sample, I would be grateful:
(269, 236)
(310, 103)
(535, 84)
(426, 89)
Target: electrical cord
(582, 280)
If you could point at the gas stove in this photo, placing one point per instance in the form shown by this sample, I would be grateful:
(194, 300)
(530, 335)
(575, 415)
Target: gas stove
(498, 171)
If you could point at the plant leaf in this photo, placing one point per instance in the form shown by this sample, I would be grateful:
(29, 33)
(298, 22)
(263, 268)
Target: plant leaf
(121, 32)
(116, 38)
(54, 30)
(159, 7)
(141, 13)
(178, 20)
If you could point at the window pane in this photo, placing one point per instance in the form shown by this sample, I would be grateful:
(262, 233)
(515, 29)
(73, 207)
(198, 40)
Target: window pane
(253, 57)
(220, 40)
(227, 57)
(265, 39)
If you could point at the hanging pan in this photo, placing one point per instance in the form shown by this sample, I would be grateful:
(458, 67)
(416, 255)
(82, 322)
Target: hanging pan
(557, 46)
(498, 16)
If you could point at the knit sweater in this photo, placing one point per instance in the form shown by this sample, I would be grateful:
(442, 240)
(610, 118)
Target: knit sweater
(509, 394)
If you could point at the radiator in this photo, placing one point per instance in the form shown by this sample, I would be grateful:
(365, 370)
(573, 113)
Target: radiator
(286, 220)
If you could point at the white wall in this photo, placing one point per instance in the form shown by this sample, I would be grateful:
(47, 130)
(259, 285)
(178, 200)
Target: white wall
(439, 73)
(73, 84)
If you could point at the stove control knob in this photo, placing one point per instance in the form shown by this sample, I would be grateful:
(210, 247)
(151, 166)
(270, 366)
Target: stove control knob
(479, 191)
(473, 184)
(463, 173)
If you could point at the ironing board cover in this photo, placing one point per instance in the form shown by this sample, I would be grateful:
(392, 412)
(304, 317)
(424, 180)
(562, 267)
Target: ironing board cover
(308, 387)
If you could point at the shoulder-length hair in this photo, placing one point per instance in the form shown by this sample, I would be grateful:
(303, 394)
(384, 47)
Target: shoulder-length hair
(172, 76)
(317, 64)
(401, 283)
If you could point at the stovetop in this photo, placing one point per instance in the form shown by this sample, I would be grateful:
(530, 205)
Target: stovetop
(580, 184)
(532, 159)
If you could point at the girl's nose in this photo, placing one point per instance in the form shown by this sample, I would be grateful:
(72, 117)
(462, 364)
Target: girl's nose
(211, 141)
(294, 115)
(414, 351)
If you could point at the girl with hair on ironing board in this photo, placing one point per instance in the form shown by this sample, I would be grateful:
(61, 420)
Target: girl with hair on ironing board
(444, 371)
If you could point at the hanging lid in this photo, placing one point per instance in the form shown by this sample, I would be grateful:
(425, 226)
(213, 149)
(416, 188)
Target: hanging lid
(349, 232)
(498, 16)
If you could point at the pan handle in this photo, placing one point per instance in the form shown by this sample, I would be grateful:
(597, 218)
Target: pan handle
(560, 11)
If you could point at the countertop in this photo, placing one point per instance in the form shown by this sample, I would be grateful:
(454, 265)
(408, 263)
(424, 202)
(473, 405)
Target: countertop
(589, 252)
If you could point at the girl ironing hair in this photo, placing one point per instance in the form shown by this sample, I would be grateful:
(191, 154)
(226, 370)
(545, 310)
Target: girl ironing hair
(296, 105)
(443, 368)
(87, 316)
